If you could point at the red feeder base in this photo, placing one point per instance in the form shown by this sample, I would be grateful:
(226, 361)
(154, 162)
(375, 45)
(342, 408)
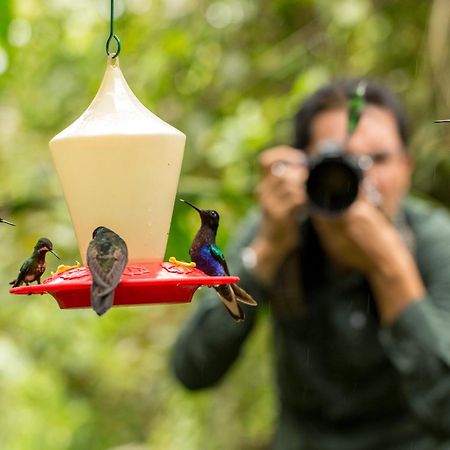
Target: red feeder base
(141, 284)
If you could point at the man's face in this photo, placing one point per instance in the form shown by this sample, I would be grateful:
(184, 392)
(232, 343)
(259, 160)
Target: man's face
(376, 136)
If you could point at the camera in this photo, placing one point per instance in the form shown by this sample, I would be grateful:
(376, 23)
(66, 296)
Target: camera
(334, 179)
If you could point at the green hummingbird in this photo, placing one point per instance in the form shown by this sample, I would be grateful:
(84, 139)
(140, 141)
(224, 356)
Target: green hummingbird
(34, 266)
(356, 105)
(8, 223)
(210, 259)
(107, 256)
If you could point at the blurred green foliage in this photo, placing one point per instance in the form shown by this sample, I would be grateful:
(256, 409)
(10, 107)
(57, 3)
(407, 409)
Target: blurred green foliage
(230, 74)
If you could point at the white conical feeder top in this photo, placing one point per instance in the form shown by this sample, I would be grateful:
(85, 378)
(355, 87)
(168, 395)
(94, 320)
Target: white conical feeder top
(116, 110)
(119, 166)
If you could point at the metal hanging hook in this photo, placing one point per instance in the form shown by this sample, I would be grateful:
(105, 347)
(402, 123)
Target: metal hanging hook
(112, 35)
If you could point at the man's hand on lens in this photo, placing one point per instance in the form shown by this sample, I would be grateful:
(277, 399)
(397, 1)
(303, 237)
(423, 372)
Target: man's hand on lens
(281, 193)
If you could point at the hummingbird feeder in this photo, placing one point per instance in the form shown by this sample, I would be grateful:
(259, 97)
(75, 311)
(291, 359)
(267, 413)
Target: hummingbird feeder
(119, 165)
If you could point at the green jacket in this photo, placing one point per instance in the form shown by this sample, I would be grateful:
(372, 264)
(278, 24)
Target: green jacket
(344, 381)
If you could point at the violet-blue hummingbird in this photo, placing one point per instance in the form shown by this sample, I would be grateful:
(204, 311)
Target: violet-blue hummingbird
(107, 256)
(210, 259)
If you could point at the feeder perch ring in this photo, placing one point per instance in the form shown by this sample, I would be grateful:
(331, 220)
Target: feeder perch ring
(141, 284)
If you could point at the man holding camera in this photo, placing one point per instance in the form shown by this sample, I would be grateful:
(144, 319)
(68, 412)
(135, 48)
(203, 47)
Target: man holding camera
(360, 296)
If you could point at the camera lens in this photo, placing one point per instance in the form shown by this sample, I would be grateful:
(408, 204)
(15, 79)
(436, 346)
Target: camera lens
(333, 182)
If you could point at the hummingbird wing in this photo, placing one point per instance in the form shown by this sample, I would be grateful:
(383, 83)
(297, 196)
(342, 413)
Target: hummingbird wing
(106, 261)
(107, 269)
(24, 268)
(219, 256)
(240, 294)
(225, 291)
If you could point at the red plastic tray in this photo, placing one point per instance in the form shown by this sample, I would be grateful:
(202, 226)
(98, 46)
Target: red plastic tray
(141, 284)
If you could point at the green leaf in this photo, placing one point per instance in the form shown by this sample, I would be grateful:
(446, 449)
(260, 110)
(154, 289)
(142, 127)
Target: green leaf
(5, 19)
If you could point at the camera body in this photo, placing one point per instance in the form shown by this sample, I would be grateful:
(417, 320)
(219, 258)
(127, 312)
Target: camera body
(333, 181)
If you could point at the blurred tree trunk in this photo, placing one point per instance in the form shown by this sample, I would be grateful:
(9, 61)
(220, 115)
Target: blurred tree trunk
(439, 55)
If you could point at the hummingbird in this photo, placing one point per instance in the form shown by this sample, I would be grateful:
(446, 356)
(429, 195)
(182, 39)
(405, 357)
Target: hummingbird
(34, 266)
(107, 256)
(356, 106)
(209, 259)
(8, 223)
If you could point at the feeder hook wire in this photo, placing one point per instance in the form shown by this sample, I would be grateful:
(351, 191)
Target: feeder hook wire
(112, 35)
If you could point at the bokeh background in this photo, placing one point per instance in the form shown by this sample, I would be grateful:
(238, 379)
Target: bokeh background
(230, 74)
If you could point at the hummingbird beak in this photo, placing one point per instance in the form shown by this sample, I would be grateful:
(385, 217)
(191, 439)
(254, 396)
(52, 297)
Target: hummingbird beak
(51, 251)
(9, 223)
(191, 205)
(442, 121)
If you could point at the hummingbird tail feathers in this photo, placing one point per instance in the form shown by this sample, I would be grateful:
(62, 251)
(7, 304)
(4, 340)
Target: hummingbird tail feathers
(101, 301)
(228, 298)
(243, 296)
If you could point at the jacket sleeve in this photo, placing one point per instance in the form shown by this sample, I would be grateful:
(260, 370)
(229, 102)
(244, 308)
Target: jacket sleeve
(211, 340)
(418, 342)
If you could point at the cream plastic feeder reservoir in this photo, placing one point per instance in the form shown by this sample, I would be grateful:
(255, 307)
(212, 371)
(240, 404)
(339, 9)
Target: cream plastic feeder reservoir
(119, 166)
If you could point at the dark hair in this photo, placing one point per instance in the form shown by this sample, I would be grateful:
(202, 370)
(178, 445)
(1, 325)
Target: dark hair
(336, 95)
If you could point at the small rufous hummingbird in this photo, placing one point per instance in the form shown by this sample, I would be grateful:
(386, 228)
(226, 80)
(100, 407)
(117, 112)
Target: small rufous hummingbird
(107, 256)
(209, 259)
(34, 266)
